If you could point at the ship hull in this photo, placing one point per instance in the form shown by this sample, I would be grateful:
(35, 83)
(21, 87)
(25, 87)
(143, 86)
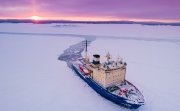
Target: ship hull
(103, 92)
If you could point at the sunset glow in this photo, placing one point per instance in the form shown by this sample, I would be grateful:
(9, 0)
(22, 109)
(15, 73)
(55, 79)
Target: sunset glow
(91, 10)
(36, 18)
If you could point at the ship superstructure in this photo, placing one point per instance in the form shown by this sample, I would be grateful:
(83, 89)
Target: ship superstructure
(108, 73)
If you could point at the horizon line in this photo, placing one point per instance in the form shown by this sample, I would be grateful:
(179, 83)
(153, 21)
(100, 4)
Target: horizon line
(68, 20)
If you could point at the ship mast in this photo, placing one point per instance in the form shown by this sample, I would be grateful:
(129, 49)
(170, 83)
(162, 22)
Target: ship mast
(86, 56)
(86, 50)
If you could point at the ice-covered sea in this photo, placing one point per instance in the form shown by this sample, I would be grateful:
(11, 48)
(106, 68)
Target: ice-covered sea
(32, 77)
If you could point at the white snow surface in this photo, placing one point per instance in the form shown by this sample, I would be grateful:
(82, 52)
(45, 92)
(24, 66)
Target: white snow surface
(109, 30)
(32, 79)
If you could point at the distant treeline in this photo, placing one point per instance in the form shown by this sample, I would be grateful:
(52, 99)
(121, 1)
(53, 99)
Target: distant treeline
(86, 22)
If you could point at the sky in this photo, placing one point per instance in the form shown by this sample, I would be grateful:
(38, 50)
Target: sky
(139, 10)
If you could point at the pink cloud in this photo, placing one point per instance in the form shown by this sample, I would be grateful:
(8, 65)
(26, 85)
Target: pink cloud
(144, 9)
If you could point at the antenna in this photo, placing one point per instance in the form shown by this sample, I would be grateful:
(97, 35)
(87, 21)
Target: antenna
(86, 50)
(86, 46)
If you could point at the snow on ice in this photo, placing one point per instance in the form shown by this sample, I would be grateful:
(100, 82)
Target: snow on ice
(32, 78)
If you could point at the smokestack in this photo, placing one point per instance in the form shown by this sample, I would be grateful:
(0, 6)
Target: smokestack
(96, 59)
